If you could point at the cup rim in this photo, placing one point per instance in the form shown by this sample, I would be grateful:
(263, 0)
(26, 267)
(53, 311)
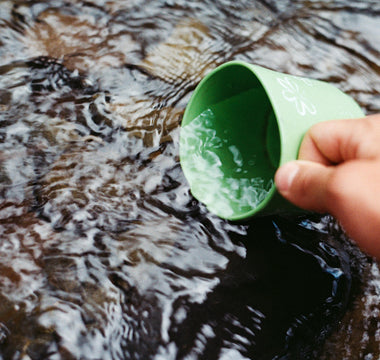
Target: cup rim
(186, 120)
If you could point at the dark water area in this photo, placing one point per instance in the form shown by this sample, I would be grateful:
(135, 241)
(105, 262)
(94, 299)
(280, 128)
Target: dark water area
(104, 253)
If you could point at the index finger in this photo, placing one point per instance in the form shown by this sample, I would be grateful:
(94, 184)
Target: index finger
(333, 142)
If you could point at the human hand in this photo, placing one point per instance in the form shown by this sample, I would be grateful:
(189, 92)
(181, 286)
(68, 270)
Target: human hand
(338, 172)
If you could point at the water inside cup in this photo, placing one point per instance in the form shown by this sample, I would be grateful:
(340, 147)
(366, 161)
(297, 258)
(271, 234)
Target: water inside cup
(225, 155)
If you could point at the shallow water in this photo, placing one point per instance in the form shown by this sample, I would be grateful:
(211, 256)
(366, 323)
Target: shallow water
(104, 252)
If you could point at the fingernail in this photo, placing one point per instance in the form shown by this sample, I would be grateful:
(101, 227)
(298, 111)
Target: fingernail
(285, 175)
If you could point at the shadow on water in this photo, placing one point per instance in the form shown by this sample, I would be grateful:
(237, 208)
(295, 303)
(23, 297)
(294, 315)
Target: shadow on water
(104, 253)
(276, 303)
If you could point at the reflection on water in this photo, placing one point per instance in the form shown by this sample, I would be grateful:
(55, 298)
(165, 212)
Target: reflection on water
(104, 252)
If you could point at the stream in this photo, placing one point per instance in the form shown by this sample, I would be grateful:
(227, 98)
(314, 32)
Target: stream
(104, 253)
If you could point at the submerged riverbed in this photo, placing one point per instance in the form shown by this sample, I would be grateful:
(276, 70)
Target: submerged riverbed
(104, 253)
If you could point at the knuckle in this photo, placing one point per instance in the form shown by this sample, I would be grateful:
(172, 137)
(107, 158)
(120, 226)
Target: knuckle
(368, 138)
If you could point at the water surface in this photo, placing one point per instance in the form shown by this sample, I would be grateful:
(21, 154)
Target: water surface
(104, 253)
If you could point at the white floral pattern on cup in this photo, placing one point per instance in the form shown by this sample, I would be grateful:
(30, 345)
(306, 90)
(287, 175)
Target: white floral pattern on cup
(292, 93)
(306, 81)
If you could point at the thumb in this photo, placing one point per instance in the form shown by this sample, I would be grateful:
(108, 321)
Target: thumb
(304, 184)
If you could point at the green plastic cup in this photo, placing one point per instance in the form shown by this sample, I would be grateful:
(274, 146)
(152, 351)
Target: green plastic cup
(244, 121)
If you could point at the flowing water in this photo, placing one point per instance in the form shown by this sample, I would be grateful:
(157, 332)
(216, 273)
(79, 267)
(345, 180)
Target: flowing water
(225, 193)
(104, 253)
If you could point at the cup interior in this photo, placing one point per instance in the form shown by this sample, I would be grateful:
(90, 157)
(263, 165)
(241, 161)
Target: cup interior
(230, 142)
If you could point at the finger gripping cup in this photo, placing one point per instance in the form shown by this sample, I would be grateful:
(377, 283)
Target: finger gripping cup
(243, 122)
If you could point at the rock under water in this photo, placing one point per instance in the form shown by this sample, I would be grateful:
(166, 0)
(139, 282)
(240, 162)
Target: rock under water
(104, 253)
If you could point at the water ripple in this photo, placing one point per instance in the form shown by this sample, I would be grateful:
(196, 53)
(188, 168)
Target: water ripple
(104, 253)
